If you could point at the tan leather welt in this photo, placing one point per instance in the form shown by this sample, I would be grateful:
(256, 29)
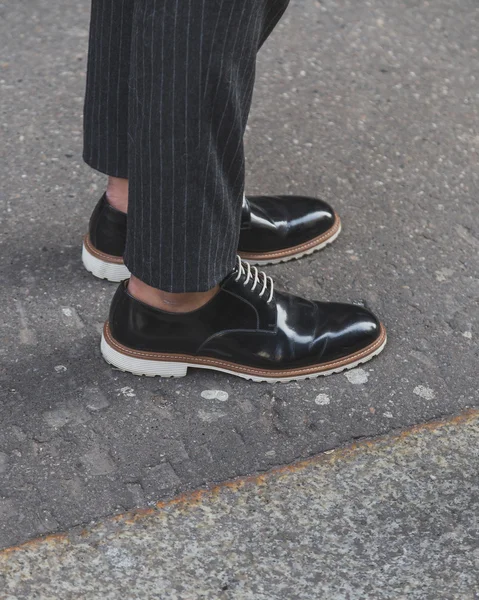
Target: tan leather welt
(223, 364)
(117, 260)
(292, 250)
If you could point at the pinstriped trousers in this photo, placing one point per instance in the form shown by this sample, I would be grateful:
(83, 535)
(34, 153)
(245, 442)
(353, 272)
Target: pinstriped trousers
(169, 87)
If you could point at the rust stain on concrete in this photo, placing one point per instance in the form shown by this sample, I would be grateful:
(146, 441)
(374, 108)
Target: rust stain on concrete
(189, 500)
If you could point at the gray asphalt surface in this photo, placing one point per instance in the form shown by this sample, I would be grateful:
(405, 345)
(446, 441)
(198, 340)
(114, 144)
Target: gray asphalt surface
(391, 520)
(372, 105)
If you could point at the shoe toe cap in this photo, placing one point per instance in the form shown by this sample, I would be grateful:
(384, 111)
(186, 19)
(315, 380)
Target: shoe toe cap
(311, 217)
(348, 330)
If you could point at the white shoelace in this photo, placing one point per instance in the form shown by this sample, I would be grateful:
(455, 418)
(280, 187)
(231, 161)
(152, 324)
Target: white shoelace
(257, 277)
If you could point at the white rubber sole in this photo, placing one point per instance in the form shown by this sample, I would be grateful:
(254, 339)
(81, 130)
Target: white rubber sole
(153, 368)
(275, 261)
(102, 268)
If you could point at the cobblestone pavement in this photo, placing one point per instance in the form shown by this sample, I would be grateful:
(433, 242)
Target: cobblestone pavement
(372, 105)
(392, 519)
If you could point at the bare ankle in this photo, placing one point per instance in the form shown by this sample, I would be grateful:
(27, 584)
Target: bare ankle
(117, 193)
(167, 301)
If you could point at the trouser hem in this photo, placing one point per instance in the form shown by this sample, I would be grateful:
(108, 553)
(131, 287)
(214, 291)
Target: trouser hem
(121, 173)
(174, 288)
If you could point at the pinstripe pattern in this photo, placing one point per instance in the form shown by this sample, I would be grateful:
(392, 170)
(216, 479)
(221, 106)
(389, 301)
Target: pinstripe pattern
(169, 89)
(106, 98)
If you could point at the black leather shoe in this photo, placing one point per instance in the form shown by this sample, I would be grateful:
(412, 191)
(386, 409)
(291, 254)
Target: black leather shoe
(247, 329)
(273, 229)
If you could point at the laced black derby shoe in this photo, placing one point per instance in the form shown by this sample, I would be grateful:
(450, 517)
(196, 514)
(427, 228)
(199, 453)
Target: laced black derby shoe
(247, 329)
(273, 229)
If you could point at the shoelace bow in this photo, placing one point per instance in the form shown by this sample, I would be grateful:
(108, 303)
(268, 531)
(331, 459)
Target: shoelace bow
(257, 277)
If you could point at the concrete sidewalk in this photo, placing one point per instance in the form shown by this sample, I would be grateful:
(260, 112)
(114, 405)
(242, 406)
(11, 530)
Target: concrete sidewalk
(373, 105)
(391, 519)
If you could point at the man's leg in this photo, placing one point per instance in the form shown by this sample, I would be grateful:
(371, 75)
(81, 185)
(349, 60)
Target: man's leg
(187, 69)
(106, 99)
(191, 80)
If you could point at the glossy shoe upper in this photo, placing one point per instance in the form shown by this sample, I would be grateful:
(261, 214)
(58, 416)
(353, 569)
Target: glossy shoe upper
(247, 323)
(271, 223)
(107, 228)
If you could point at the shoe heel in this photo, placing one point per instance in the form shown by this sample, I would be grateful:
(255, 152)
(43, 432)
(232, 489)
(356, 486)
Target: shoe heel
(103, 269)
(140, 366)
